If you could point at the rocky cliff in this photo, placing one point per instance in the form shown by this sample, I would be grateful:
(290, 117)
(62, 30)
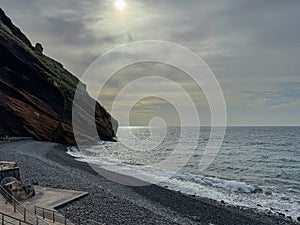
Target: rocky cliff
(36, 93)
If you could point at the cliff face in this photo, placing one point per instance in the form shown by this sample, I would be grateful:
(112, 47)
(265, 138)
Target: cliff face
(36, 93)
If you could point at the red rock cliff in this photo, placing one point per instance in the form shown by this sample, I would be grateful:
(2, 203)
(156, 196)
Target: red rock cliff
(36, 93)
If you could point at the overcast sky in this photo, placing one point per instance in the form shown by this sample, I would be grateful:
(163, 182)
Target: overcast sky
(253, 48)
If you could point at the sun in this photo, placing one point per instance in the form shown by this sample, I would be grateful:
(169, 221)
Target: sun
(120, 4)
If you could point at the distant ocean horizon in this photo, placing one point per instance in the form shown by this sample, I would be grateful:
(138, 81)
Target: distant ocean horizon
(256, 167)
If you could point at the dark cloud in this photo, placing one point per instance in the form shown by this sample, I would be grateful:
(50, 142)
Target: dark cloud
(252, 46)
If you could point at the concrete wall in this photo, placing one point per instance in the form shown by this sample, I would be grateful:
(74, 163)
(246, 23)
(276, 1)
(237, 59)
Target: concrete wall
(15, 172)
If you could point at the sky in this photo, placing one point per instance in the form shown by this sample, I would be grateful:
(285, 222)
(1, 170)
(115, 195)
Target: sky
(252, 47)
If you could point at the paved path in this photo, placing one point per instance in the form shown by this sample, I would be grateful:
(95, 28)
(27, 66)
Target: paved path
(51, 198)
(8, 209)
(48, 198)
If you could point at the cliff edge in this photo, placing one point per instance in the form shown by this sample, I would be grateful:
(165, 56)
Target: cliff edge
(36, 93)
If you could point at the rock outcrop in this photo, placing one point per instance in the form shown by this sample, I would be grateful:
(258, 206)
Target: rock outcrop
(39, 48)
(36, 94)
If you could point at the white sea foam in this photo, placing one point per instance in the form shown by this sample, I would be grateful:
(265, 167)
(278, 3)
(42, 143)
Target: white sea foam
(230, 185)
(231, 191)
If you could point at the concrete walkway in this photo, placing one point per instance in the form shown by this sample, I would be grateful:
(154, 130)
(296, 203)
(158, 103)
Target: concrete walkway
(9, 210)
(48, 198)
(52, 198)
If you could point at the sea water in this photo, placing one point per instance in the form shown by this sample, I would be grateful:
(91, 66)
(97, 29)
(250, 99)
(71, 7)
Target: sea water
(256, 167)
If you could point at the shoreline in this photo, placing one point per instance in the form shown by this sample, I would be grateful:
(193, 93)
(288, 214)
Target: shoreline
(114, 203)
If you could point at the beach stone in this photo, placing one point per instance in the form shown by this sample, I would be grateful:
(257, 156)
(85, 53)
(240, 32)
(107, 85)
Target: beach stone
(196, 218)
(258, 190)
(34, 182)
(268, 193)
(298, 218)
(103, 204)
(281, 214)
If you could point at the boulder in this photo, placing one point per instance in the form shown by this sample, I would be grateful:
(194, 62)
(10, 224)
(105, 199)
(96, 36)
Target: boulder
(39, 48)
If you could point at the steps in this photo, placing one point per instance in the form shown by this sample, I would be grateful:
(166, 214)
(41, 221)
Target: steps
(28, 212)
(8, 209)
(17, 210)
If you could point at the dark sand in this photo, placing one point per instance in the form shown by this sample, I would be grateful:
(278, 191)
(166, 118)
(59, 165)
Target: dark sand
(111, 203)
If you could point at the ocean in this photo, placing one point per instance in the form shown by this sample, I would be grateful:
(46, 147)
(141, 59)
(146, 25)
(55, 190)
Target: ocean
(256, 167)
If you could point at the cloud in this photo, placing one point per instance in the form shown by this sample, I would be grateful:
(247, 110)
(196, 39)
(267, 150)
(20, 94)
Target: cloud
(252, 46)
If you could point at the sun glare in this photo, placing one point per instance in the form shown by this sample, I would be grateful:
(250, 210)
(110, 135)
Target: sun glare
(120, 4)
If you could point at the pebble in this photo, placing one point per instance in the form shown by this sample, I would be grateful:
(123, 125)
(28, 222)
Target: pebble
(101, 205)
(268, 193)
(281, 214)
(98, 205)
(258, 190)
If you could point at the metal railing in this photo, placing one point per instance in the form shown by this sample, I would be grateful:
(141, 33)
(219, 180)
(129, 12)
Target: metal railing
(51, 215)
(40, 214)
(55, 217)
(28, 215)
(7, 219)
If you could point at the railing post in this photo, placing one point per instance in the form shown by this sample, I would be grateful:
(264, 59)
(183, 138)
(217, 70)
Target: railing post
(35, 210)
(17, 206)
(53, 217)
(65, 220)
(24, 214)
